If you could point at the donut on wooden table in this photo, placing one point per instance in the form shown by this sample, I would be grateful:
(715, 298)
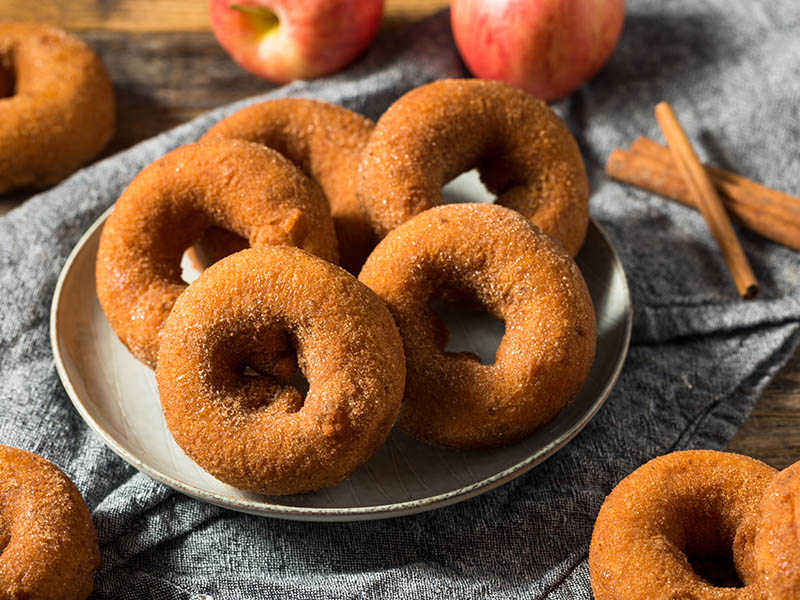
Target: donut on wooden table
(56, 105)
(696, 503)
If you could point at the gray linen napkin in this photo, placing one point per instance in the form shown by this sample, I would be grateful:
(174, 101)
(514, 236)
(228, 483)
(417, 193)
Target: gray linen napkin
(699, 359)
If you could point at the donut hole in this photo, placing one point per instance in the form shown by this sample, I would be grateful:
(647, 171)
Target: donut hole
(296, 383)
(709, 536)
(467, 187)
(300, 383)
(284, 369)
(718, 571)
(189, 270)
(471, 330)
(254, 367)
(215, 244)
(8, 75)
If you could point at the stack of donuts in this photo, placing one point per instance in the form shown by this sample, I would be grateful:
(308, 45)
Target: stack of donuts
(267, 204)
(271, 198)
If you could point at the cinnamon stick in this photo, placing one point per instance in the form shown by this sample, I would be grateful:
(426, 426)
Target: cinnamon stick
(739, 190)
(649, 165)
(707, 200)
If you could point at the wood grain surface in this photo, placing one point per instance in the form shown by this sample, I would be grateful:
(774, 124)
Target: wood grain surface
(167, 68)
(162, 15)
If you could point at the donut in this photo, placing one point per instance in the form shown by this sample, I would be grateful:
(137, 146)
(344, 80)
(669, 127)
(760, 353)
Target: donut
(492, 255)
(258, 433)
(47, 540)
(244, 187)
(56, 105)
(325, 141)
(523, 151)
(777, 541)
(686, 504)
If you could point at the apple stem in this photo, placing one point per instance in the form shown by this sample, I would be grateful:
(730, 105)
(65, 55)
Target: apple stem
(269, 17)
(248, 8)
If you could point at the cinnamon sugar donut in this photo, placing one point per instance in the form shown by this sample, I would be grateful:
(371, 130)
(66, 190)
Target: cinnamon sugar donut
(325, 141)
(685, 504)
(244, 187)
(777, 541)
(47, 540)
(258, 433)
(523, 151)
(56, 105)
(519, 275)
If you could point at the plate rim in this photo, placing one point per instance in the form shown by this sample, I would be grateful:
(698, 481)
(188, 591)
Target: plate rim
(349, 514)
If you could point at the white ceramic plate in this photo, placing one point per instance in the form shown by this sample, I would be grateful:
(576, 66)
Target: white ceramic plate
(118, 398)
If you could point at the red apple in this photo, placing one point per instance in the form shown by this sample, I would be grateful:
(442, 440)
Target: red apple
(282, 40)
(546, 47)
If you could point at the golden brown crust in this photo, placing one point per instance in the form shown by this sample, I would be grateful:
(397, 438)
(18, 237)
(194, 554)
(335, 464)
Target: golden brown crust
(777, 541)
(243, 187)
(257, 433)
(61, 113)
(48, 543)
(523, 151)
(325, 141)
(520, 276)
(696, 503)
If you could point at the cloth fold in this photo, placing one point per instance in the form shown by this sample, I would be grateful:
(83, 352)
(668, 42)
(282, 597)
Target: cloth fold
(699, 360)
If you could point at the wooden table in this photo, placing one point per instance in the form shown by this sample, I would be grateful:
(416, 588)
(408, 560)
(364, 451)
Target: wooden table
(167, 68)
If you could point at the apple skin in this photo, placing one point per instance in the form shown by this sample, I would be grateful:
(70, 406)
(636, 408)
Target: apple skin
(546, 47)
(297, 39)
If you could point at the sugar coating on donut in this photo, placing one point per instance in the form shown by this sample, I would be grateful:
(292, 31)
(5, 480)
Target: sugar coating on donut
(681, 505)
(523, 151)
(777, 541)
(240, 186)
(492, 255)
(325, 141)
(257, 432)
(48, 545)
(56, 105)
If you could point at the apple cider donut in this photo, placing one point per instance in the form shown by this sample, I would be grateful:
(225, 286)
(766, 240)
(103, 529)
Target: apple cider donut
(325, 141)
(257, 432)
(523, 151)
(519, 275)
(691, 503)
(237, 185)
(56, 105)
(48, 545)
(777, 541)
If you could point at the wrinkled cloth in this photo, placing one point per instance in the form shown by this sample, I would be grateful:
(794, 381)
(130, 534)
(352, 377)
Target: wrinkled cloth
(698, 361)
